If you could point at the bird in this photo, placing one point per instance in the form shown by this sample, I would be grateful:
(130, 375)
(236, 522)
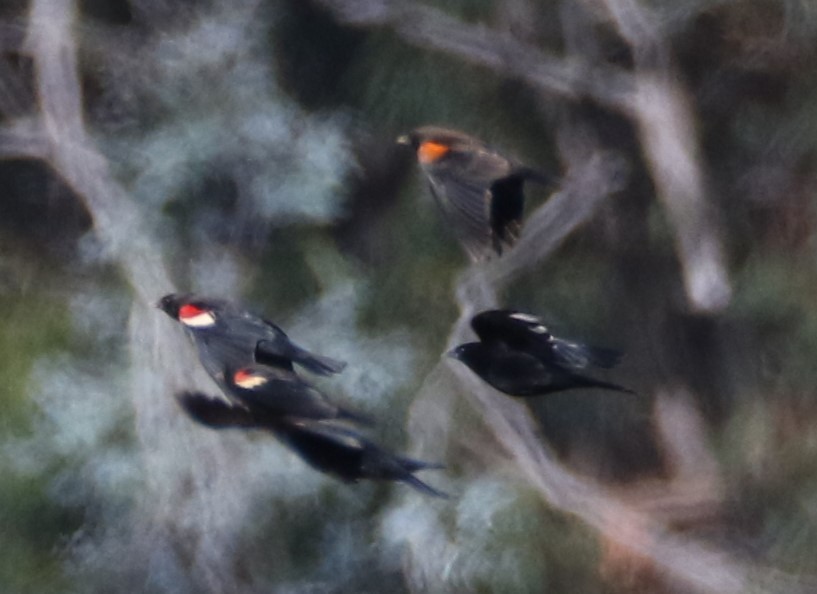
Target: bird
(517, 355)
(343, 452)
(479, 190)
(526, 332)
(227, 335)
(279, 392)
(326, 446)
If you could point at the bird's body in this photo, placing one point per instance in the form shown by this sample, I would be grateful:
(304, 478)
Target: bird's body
(520, 374)
(479, 190)
(227, 336)
(327, 446)
(526, 332)
(517, 355)
(344, 453)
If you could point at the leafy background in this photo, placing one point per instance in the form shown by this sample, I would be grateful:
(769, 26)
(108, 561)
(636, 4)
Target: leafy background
(245, 148)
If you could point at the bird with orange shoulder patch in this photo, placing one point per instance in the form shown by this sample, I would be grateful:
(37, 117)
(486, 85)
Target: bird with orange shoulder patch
(479, 190)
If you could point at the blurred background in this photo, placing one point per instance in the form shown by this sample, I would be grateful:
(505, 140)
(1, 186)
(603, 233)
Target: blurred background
(245, 149)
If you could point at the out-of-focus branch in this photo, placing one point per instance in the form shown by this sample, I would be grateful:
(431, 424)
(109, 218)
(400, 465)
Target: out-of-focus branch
(120, 225)
(23, 139)
(431, 28)
(15, 98)
(657, 105)
(11, 36)
(667, 127)
(702, 567)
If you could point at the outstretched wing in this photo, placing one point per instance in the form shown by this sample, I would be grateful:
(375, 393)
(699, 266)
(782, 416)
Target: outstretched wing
(463, 185)
(526, 332)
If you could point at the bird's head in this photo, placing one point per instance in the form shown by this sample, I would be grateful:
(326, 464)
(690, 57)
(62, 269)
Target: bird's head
(470, 353)
(187, 309)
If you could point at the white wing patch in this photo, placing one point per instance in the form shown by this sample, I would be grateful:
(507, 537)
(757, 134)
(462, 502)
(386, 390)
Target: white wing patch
(536, 327)
(202, 320)
(523, 317)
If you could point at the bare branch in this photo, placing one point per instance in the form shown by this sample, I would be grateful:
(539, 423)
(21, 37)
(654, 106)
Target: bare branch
(666, 124)
(430, 28)
(657, 105)
(160, 361)
(23, 139)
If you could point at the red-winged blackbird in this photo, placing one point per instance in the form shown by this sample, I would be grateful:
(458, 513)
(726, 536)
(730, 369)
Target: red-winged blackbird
(326, 446)
(518, 356)
(279, 392)
(228, 336)
(478, 189)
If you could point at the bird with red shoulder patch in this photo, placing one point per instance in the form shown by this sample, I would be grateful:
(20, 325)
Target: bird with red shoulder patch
(227, 335)
(478, 189)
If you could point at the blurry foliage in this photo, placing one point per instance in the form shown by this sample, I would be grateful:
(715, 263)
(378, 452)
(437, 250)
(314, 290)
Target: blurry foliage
(254, 137)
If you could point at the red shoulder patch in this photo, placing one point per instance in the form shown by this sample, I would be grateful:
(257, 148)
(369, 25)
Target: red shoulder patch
(245, 378)
(188, 310)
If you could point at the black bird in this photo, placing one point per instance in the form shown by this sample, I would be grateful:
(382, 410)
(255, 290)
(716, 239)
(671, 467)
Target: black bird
(518, 356)
(525, 332)
(226, 335)
(217, 413)
(279, 392)
(344, 453)
(479, 190)
(327, 446)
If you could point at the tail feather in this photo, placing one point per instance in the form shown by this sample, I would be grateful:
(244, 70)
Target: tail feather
(608, 386)
(412, 465)
(603, 357)
(422, 487)
(357, 417)
(319, 364)
(580, 356)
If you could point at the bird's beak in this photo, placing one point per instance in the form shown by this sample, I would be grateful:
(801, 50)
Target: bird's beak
(452, 353)
(158, 304)
(403, 139)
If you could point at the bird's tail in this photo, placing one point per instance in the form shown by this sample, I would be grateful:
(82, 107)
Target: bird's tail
(319, 364)
(422, 487)
(594, 383)
(356, 417)
(581, 355)
(412, 465)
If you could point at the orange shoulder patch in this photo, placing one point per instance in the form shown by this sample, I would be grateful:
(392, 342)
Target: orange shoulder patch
(430, 151)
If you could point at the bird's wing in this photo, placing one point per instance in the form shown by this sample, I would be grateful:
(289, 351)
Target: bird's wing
(461, 184)
(214, 412)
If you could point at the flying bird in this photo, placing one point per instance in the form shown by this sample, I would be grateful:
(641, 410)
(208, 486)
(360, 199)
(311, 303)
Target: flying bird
(479, 190)
(327, 446)
(526, 332)
(227, 336)
(517, 355)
